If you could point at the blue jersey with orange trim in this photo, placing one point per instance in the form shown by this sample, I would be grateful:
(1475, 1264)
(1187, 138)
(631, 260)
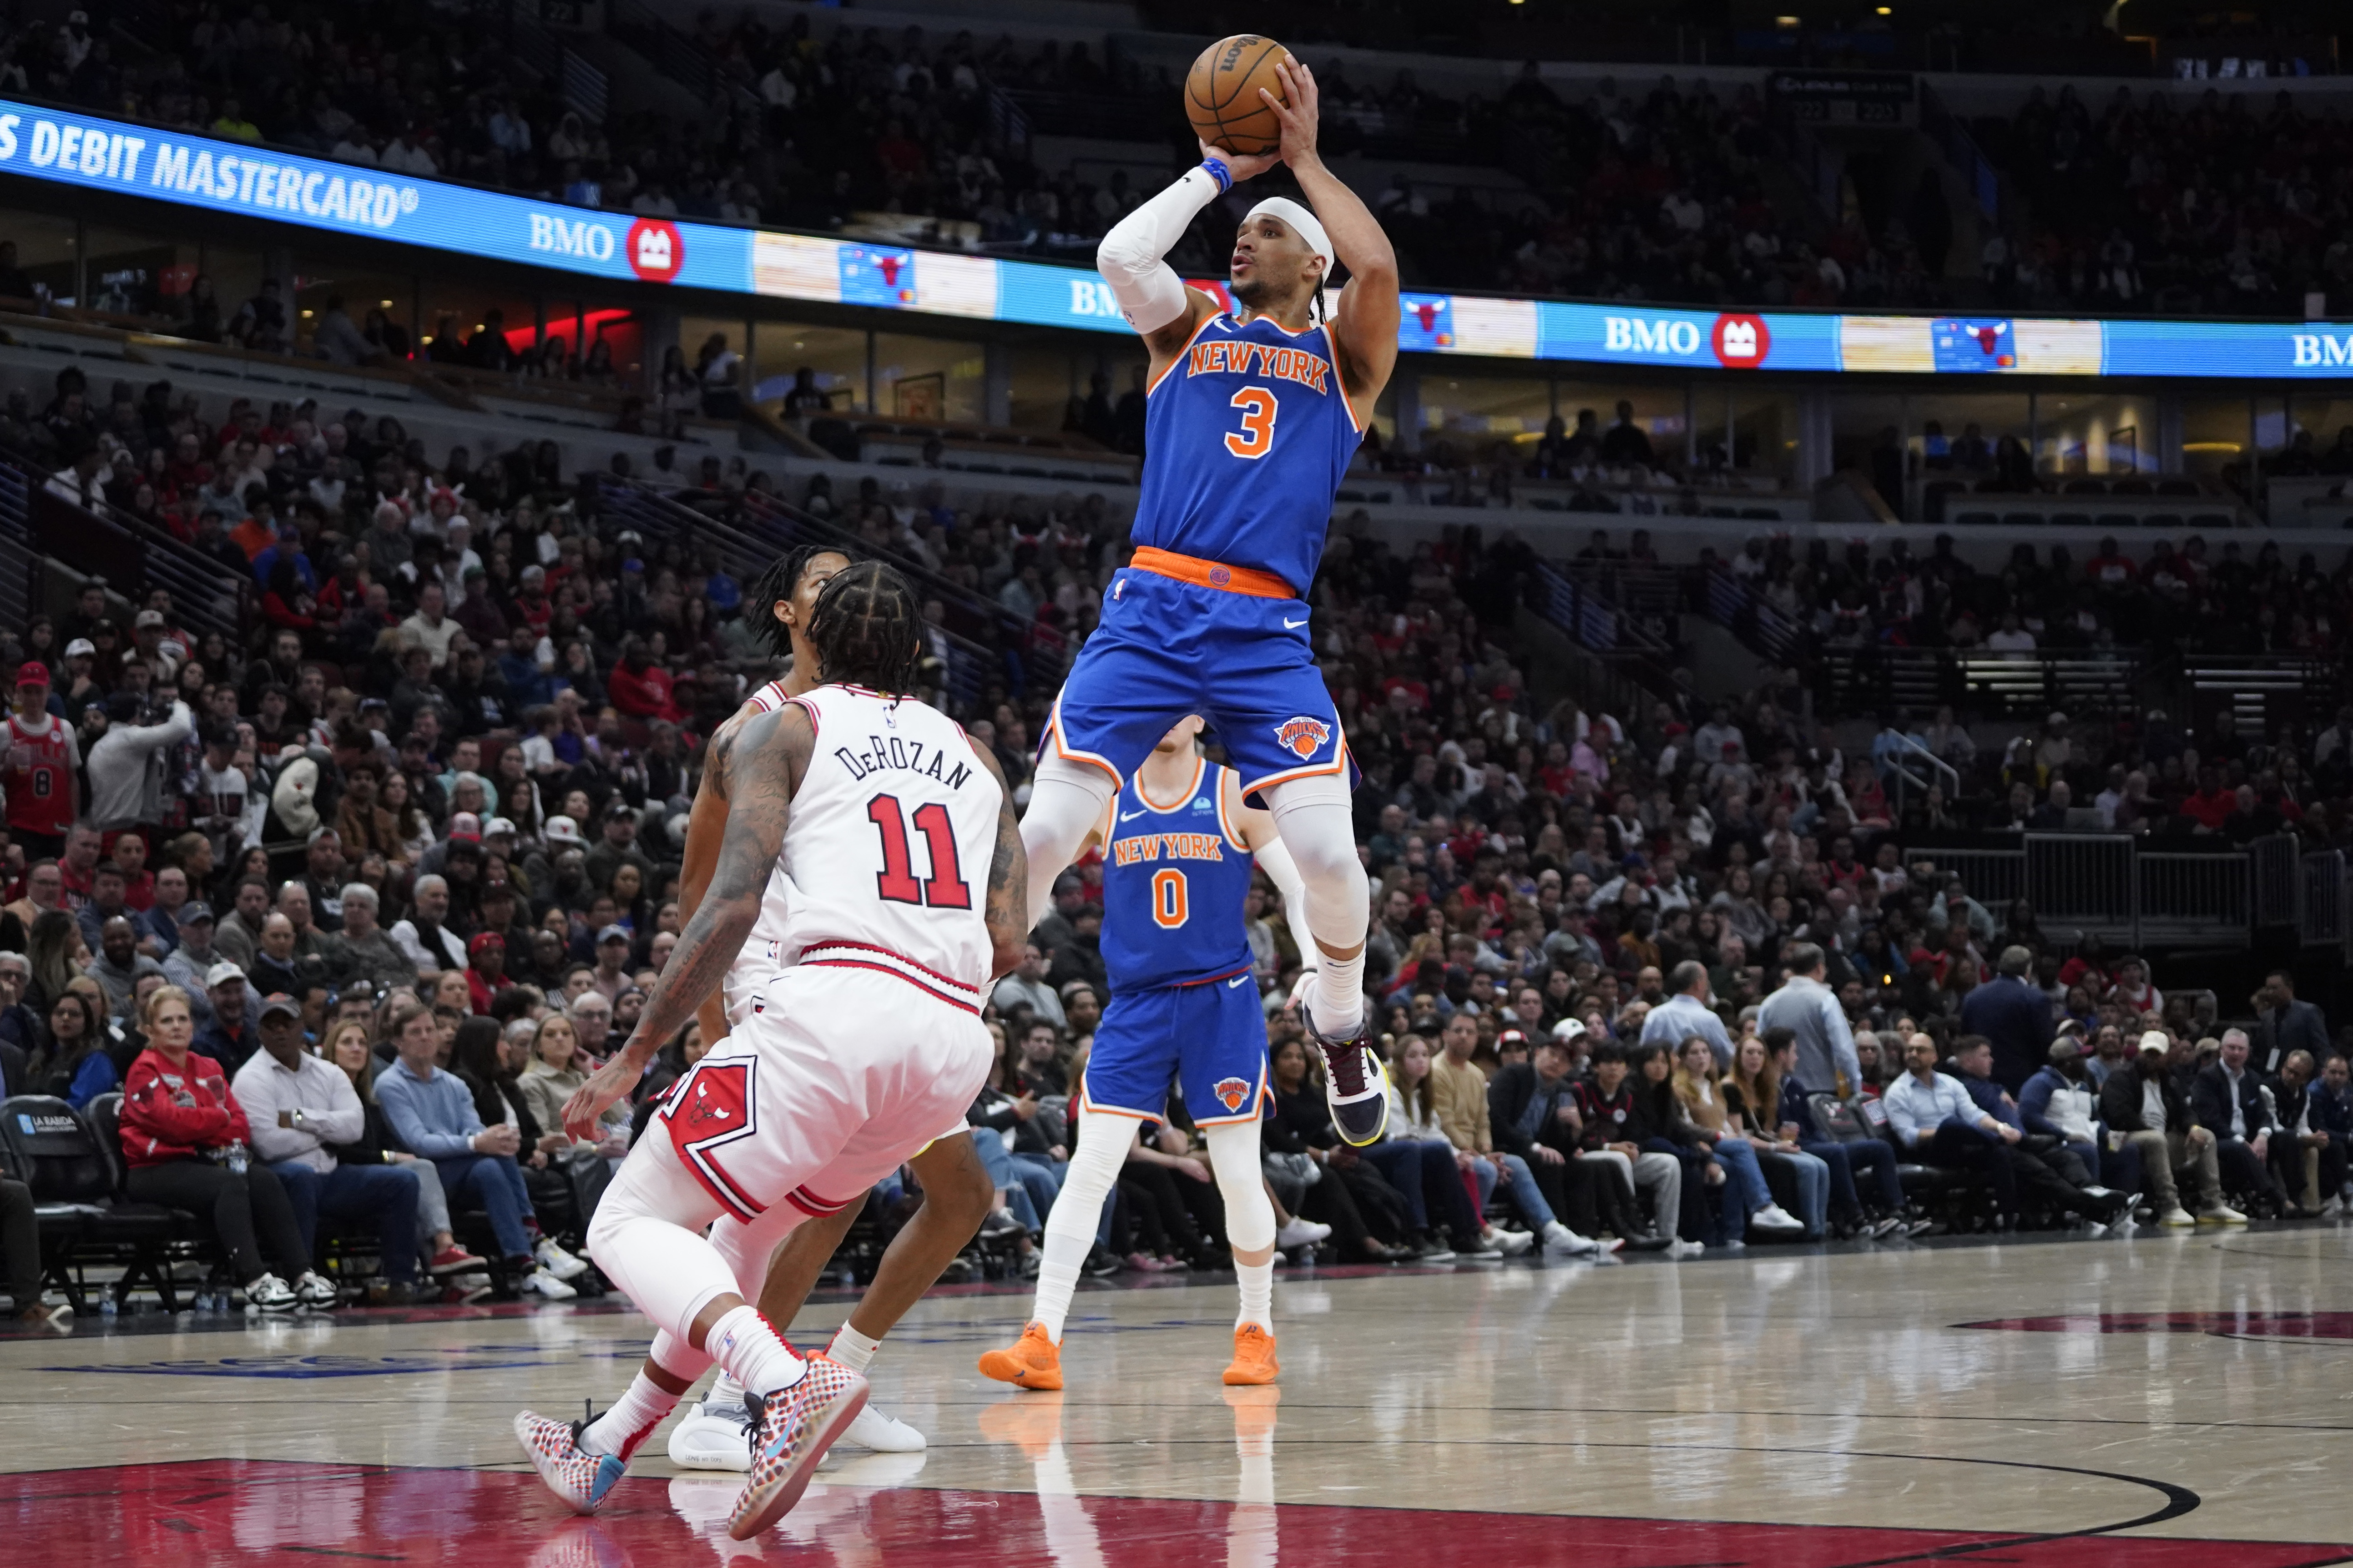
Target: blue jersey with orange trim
(1174, 879)
(1246, 436)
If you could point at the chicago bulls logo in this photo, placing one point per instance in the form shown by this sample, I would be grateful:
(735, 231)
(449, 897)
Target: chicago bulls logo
(1302, 737)
(714, 1101)
(1231, 1092)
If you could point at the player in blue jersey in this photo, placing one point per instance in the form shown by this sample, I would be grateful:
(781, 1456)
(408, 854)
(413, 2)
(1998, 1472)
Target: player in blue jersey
(1250, 421)
(1178, 846)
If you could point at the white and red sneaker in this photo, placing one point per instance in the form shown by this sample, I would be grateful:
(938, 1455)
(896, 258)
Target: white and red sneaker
(794, 1428)
(581, 1478)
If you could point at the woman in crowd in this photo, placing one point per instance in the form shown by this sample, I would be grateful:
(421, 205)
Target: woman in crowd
(72, 1062)
(1417, 1158)
(1367, 1216)
(184, 1138)
(1699, 1093)
(55, 950)
(1752, 1092)
(550, 1075)
(346, 1045)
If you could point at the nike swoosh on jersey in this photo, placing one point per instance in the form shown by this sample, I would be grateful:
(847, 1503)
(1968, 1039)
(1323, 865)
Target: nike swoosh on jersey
(1293, 624)
(1131, 817)
(1236, 981)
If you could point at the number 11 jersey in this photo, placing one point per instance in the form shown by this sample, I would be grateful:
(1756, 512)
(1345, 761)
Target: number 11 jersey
(887, 847)
(1247, 436)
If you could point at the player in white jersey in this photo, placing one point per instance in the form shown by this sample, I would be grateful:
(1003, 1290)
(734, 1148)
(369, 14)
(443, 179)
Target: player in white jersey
(957, 1192)
(878, 811)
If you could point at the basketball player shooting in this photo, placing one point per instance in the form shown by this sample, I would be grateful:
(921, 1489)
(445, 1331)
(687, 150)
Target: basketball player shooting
(1250, 422)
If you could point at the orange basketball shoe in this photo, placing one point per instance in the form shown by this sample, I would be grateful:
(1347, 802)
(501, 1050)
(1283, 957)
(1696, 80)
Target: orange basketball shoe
(1255, 1360)
(1033, 1361)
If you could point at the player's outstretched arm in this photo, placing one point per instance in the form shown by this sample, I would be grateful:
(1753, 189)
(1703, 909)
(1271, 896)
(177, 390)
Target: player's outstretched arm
(1007, 903)
(1153, 298)
(772, 753)
(1365, 318)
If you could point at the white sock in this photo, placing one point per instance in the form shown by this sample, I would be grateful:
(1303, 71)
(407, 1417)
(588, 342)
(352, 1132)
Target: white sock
(754, 1352)
(852, 1349)
(1340, 995)
(1257, 1283)
(727, 1394)
(632, 1419)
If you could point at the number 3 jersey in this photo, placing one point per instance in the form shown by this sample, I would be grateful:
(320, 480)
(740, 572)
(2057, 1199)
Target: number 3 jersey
(1249, 432)
(1174, 878)
(887, 850)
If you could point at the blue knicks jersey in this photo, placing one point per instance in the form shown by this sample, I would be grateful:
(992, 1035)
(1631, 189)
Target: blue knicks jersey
(1174, 880)
(1246, 436)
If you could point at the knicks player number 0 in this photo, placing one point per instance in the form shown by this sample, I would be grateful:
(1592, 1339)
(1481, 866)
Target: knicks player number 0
(1170, 899)
(945, 888)
(1257, 434)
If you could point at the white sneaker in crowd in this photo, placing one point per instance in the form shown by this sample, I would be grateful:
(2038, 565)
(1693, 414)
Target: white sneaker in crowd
(1775, 1220)
(1297, 1232)
(548, 1285)
(557, 1261)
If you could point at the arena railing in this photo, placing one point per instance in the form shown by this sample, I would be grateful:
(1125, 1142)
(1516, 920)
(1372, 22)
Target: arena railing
(1735, 605)
(134, 557)
(2324, 914)
(2135, 892)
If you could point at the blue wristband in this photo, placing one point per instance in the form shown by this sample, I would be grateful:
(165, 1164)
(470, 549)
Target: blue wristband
(1220, 173)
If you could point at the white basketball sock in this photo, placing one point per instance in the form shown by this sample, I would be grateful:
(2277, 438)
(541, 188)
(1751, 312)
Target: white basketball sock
(1257, 1283)
(753, 1352)
(727, 1394)
(852, 1349)
(620, 1430)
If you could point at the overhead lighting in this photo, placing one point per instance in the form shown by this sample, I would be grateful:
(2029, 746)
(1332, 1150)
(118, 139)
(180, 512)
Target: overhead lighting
(1786, 22)
(1886, 10)
(384, 304)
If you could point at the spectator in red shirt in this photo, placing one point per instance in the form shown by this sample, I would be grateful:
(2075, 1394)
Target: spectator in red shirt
(486, 968)
(2212, 804)
(639, 687)
(186, 1141)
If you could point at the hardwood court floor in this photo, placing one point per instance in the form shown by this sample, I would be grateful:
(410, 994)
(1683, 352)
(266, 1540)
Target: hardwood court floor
(2173, 1401)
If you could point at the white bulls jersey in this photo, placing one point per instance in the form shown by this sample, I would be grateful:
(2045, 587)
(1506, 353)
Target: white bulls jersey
(886, 855)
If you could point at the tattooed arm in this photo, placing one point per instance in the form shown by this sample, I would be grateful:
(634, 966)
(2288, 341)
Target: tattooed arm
(773, 751)
(1009, 879)
(706, 824)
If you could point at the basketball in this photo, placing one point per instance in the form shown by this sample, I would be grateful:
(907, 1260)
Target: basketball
(1221, 94)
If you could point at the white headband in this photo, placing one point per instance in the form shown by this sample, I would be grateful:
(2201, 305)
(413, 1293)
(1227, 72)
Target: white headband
(1302, 223)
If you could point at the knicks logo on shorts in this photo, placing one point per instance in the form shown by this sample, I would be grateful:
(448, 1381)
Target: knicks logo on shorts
(1302, 737)
(1231, 1092)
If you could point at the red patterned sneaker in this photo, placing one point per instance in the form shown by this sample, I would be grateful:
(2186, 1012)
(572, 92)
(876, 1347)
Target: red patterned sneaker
(579, 1477)
(794, 1428)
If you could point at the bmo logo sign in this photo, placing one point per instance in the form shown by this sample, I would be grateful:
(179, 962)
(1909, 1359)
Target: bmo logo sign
(2315, 350)
(1650, 335)
(1092, 297)
(571, 236)
(655, 250)
(1741, 343)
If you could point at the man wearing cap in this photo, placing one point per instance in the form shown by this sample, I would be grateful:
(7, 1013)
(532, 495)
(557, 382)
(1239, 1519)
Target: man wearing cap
(2059, 1102)
(40, 758)
(1532, 1113)
(190, 963)
(230, 1038)
(295, 1105)
(321, 880)
(611, 977)
(2141, 1101)
(422, 938)
(82, 691)
(620, 847)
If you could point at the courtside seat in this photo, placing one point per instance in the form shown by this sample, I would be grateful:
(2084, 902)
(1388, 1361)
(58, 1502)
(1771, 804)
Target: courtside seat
(62, 1225)
(76, 1161)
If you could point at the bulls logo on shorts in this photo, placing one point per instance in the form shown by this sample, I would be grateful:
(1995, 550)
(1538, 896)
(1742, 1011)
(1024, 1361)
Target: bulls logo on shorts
(1231, 1092)
(1303, 736)
(715, 1103)
(712, 1107)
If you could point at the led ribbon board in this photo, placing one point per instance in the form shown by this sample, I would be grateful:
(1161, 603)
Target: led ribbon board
(236, 177)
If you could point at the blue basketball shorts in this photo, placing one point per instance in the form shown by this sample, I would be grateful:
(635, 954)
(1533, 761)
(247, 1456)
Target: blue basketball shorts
(1166, 648)
(1208, 1039)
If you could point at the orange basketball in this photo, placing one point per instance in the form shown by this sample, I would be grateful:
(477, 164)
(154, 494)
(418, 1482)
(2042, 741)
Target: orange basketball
(1221, 94)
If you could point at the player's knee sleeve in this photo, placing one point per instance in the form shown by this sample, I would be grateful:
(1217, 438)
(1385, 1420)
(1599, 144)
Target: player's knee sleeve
(1314, 817)
(676, 1357)
(668, 1271)
(1094, 1171)
(748, 1248)
(1066, 799)
(1233, 1156)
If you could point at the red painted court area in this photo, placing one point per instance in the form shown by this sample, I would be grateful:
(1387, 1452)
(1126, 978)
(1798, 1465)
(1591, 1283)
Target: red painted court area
(236, 1513)
(2234, 1324)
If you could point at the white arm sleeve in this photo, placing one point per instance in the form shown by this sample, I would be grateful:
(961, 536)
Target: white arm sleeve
(1149, 292)
(1276, 861)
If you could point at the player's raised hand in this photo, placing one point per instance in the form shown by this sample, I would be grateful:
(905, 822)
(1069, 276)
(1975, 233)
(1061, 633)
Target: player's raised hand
(589, 1102)
(1296, 110)
(1241, 166)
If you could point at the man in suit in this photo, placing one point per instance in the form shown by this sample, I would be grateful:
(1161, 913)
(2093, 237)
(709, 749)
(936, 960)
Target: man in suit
(2229, 1103)
(2014, 1017)
(2284, 1025)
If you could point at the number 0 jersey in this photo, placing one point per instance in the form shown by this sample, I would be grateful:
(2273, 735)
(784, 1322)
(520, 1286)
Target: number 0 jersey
(1247, 436)
(1175, 876)
(887, 850)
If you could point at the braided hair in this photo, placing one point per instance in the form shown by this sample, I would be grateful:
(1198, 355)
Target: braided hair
(868, 629)
(775, 586)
